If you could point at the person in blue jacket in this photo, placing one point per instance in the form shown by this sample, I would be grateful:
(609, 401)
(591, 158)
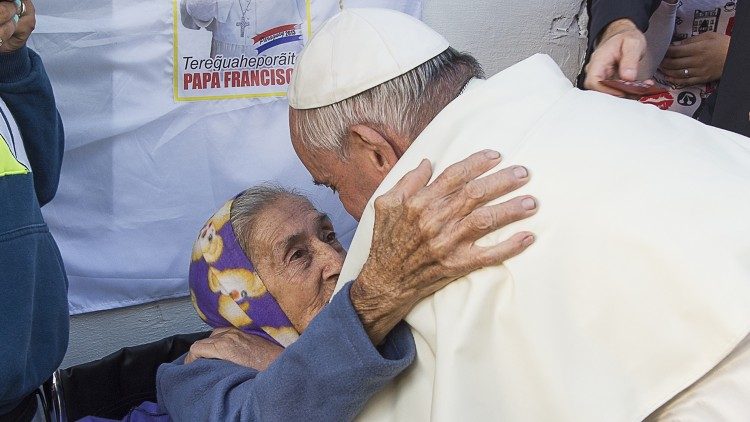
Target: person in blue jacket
(34, 326)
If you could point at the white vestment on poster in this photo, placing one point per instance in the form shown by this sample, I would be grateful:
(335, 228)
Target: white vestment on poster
(234, 23)
(142, 172)
(638, 283)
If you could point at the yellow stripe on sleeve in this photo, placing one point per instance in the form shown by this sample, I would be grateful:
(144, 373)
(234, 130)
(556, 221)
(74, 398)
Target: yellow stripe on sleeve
(9, 166)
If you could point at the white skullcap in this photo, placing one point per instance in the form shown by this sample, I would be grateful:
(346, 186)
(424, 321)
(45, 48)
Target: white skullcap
(359, 49)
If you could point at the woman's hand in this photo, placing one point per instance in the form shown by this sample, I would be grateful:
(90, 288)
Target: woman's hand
(13, 34)
(235, 346)
(424, 236)
(696, 60)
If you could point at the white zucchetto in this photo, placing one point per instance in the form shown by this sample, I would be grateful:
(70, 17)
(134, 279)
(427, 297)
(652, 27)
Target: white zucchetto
(359, 49)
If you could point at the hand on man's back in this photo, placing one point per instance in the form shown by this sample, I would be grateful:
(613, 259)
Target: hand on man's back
(424, 235)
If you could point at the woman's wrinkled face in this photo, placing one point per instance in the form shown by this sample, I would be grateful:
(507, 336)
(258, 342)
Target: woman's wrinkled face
(298, 257)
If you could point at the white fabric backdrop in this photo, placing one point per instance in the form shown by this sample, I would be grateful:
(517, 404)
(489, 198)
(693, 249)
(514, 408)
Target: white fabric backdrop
(142, 172)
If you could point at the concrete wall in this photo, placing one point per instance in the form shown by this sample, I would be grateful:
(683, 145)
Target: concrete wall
(98, 334)
(498, 32)
(502, 32)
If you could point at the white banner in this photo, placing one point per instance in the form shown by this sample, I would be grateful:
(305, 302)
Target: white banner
(237, 48)
(143, 170)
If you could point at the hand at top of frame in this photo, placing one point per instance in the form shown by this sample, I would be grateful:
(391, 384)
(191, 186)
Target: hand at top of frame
(16, 24)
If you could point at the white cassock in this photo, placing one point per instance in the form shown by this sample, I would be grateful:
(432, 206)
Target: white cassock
(234, 23)
(637, 286)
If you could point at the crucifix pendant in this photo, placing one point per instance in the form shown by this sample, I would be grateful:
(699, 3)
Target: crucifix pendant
(243, 23)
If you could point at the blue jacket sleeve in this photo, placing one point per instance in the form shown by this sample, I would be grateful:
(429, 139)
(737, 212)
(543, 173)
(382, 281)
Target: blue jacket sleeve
(25, 88)
(34, 325)
(329, 373)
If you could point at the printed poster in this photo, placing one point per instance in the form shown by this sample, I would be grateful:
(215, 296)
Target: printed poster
(142, 172)
(237, 48)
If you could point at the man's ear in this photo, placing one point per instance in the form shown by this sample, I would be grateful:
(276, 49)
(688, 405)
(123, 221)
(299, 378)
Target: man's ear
(370, 144)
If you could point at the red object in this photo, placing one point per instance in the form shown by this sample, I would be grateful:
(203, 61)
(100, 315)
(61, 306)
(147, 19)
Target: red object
(634, 87)
(663, 100)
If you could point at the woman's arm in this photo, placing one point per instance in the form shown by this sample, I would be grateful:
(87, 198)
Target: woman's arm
(329, 373)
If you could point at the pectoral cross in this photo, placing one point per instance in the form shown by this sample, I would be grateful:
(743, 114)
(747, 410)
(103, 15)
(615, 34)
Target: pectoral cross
(243, 23)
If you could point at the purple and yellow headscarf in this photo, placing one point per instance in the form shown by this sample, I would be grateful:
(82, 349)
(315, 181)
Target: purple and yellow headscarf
(225, 288)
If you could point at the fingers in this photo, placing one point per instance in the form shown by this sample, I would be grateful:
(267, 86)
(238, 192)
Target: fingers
(706, 36)
(618, 56)
(680, 63)
(203, 349)
(7, 11)
(496, 255)
(682, 82)
(478, 192)
(459, 174)
(14, 30)
(633, 49)
(679, 74)
(7, 28)
(409, 185)
(682, 50)
(600, 68)
(688, 74)
(27, 22)
(490, 218)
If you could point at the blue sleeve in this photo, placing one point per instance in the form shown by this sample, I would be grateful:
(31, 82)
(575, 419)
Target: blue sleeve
(25, 88)
(329, 373)
(34, 325)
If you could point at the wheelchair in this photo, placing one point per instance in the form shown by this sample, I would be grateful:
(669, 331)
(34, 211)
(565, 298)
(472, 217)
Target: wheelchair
(111, 386)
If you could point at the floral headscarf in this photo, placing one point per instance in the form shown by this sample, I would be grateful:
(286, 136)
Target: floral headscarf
(225, 288)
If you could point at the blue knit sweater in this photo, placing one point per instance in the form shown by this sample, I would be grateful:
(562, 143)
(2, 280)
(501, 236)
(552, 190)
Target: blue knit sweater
(34, 325)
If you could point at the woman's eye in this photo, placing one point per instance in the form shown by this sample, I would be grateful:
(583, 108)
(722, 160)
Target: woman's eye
(331, 237)
(299, 253)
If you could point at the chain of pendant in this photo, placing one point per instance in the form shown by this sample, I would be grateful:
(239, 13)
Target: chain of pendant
(245, 8)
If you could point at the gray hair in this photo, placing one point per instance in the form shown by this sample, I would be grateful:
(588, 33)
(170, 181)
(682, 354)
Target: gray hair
(248, 205)
(403, 106)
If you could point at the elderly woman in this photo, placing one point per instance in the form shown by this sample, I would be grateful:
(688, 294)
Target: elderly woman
(265, 265)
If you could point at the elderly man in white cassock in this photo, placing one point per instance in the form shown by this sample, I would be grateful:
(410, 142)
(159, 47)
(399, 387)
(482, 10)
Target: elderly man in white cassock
(235, 23)
(634, 302)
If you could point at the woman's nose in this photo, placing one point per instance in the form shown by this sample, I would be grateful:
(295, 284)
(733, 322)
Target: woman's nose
(332, 260)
